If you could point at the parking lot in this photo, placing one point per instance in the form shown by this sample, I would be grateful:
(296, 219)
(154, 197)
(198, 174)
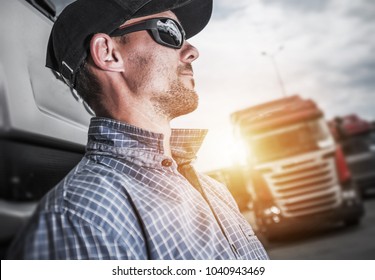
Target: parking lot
(336, 243)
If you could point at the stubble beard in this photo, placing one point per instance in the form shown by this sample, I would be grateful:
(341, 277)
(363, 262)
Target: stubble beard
(177, 101)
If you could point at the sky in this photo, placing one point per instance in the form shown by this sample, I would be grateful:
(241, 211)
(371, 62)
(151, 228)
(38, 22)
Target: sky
(323, 49)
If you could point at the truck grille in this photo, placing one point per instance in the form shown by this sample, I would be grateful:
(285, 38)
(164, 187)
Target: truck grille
(307, 187)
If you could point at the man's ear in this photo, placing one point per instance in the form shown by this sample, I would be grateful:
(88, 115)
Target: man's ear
(104, 53)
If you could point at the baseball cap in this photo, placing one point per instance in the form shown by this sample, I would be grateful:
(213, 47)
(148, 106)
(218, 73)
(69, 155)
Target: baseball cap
(69, 40)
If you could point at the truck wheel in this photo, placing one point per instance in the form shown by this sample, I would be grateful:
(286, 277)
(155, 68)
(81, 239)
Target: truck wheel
(352, 222)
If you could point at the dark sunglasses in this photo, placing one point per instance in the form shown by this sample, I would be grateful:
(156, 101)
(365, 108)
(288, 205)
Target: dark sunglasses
(165, 31)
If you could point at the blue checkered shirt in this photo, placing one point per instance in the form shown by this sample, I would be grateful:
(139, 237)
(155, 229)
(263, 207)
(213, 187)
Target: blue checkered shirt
(127, 200)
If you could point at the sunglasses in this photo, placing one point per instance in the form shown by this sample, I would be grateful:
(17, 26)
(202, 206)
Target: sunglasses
(165, 31)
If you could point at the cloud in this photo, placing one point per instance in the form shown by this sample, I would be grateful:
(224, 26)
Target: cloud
(363, 10)
(300, 6)
(361, 76)
(223, 8)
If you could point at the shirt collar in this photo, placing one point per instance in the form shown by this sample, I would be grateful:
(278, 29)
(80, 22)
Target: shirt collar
(185, 143)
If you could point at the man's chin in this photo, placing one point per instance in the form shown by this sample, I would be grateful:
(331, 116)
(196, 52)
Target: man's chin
(186, 105)
(179, 100)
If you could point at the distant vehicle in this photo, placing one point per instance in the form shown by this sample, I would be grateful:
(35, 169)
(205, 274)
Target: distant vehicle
(43, 129)
(357, 137)
(299, 178)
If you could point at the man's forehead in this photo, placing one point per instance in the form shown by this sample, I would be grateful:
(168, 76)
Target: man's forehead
(168, 14)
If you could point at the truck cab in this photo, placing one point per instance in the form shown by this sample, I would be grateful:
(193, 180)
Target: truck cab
(43, 128)
(357, 137)
(299, 178)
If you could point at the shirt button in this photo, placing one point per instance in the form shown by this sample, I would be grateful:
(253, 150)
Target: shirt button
(166, 162)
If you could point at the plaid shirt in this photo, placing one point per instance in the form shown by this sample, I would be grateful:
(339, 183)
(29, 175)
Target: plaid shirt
(126, 200)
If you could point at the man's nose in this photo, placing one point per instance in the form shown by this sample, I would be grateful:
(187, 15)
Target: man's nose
(189, 53)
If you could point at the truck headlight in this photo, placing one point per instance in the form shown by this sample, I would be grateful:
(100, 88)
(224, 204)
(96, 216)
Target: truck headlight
(349, 194)
(274, 210)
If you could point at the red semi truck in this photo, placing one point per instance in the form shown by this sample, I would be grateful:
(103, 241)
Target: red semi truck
(357, 137)
(299, 178)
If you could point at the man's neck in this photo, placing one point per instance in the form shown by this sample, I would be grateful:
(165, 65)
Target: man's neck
(139, 112)
(152, 123)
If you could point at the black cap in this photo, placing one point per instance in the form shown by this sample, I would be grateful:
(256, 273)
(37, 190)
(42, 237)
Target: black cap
(70, 36)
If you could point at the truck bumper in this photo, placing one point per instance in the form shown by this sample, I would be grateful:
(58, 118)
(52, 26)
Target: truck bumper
(366, 184)
(350, 212)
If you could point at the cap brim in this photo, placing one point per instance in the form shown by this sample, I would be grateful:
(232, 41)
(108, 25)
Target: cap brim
(194, 16)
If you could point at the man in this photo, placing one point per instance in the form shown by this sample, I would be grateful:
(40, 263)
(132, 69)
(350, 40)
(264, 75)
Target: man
(135, 194)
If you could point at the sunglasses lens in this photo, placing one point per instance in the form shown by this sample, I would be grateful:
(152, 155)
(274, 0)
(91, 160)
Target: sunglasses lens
(170, 33)
(164, 31)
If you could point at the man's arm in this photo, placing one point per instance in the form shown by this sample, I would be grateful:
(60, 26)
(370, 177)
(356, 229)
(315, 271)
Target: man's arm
(55, 235)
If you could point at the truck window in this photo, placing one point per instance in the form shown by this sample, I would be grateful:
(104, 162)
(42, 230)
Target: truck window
(60, 5)
(50, 8)
(290, 140)
(357, 144)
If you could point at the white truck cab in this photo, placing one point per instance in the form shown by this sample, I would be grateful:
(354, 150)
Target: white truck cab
(43, 129)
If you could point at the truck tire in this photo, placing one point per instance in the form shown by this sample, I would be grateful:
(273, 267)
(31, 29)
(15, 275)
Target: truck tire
(353, 222)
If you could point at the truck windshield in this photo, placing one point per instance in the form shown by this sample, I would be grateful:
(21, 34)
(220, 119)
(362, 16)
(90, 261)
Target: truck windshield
(61, 4)
(358, 144)
(290, 140)
(50, 8)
